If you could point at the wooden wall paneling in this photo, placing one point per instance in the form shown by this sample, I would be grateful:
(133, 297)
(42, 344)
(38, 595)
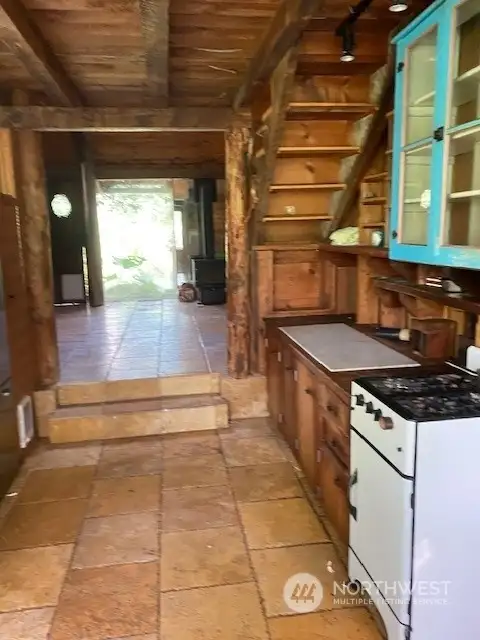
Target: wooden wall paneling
(306, 170)
(314, 133)
(155, 29)
(7, 163)
(34, 219)
(368, 303)
(264, 295)
(290, 231)
(297, 277)
(303, 201)
(24, 362)
(317, 88)
(238, 278)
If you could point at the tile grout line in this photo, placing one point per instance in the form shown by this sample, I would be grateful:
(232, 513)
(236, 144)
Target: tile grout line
(247, 550)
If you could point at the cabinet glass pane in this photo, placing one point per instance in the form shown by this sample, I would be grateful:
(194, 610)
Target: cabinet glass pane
(462, 219)
(416, 196)
(466, 71)
(420, 87)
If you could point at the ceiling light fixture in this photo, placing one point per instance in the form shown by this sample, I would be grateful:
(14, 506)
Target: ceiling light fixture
(396, 6)
(348, 43)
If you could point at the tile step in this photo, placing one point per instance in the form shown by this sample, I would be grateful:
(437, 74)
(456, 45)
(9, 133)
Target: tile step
(145, 417)
(136, 389)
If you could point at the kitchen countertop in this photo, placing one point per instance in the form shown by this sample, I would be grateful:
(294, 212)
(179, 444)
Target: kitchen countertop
(343, 379)
(340, 347)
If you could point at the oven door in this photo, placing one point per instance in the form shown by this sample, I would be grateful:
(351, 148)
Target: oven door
(381, 520)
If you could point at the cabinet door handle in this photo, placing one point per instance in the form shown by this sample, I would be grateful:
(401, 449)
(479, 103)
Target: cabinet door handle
(288, 368)
(438, 134)
(309, 392)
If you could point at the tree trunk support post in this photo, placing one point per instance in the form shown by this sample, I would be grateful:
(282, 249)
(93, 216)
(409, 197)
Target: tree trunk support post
(238, 259)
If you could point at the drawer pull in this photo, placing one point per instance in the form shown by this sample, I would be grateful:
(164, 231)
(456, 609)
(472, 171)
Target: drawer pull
(332, 409)
(289, 368)
(309, 392)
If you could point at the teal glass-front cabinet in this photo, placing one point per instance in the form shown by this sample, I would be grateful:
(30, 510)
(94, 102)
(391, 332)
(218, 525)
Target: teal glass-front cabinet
(435, 216)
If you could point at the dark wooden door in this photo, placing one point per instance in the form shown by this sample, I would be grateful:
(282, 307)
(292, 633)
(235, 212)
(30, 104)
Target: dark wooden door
(68, 236)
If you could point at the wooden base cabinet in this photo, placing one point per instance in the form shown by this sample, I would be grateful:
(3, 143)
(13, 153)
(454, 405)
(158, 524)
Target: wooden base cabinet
(314, 421)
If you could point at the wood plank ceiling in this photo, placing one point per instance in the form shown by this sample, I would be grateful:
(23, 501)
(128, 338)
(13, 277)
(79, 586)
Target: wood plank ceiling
(157, 53)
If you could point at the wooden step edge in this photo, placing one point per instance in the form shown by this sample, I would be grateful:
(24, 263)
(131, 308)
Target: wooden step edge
(313, 186)
(371, 225)
(332, 106)
(295, 218)
(376, 177)
(144, 405)
(376, 200)
(321, 150)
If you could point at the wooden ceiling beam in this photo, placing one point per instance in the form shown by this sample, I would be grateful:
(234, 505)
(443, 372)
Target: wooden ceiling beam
(116, 118)
(283, 33)
(37, 56)
(156, 31)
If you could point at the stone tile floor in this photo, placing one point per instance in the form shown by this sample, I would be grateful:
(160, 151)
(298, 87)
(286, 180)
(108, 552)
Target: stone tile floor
(189, 537)
(141, 339)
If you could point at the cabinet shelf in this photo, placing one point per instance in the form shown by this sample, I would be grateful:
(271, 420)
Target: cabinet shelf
(464, 302)
(425, 100)
(466, 86)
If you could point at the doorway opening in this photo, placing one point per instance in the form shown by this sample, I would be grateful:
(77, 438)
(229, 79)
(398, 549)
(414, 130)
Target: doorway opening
(139, 233)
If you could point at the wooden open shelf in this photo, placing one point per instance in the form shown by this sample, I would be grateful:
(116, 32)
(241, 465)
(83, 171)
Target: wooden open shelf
(464, 302)
(308, 187)
(310, 151)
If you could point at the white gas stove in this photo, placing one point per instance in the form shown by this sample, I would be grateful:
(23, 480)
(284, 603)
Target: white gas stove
(414, 510)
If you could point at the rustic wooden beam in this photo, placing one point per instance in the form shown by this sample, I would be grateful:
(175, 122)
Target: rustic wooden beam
(238, 299)
(35, 227)
(366, 156)
(94, 252)
(115, 119)
(37, 56)
(155, 28)
(283, 33)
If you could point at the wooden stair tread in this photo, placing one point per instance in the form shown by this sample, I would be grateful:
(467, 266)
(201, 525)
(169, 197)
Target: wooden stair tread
(146, 404)
(296, 218)
(300, 150)
(376, 200)
(339, 110)
(309, 186)
(376, 177)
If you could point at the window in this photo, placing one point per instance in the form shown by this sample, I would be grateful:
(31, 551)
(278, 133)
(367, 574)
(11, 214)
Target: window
(178, 229)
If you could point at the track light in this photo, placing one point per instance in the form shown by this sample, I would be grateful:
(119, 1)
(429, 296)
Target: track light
(396, 6)
(348, 43)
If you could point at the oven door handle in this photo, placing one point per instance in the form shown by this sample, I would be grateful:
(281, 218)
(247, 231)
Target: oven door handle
(352, 482)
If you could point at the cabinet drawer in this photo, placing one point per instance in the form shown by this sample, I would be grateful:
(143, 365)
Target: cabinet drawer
(336, 439)
(333, 484)
(334, 409)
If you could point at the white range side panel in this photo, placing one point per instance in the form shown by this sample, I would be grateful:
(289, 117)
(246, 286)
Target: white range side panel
(381, 533)
(397, 444)
(447, 530)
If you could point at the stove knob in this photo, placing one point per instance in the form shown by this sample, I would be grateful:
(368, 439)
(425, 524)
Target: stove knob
(377, 414)
(359, 400)
(369, 407)
(386, 423)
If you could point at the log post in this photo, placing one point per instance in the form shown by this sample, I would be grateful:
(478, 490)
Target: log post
(94, 253)
(35, 223)
(238, 303)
